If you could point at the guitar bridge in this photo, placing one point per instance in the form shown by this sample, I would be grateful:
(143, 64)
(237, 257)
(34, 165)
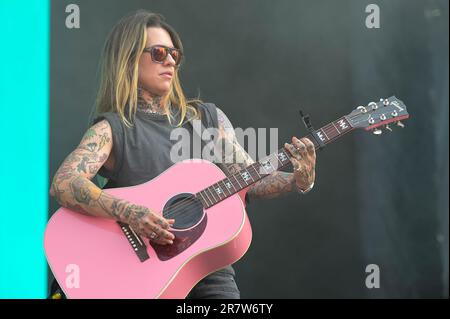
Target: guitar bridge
(136, 242)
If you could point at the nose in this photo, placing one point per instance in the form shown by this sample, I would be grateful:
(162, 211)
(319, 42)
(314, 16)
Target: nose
(169, 60)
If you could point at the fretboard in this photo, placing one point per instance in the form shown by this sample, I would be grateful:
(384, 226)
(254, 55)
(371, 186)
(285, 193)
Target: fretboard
(266, 166)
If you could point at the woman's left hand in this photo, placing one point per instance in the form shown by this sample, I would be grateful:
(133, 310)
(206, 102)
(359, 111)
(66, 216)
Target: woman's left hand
(304, 161)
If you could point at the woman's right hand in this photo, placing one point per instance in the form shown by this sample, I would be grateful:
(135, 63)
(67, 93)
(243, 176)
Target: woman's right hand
(149, 224)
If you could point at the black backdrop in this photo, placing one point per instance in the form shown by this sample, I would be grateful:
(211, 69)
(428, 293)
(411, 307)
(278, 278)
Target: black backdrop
(381, 200)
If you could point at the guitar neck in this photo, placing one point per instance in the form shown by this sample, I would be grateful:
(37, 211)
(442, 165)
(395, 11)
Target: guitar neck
(266, 166)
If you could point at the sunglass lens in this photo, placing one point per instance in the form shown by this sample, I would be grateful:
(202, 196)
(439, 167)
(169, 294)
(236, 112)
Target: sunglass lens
(176, 56)
(159, 54)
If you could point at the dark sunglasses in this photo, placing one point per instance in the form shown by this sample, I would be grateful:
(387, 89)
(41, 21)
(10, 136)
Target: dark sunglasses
(159, 54)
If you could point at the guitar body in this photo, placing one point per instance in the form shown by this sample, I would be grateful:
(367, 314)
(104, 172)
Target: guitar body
(109, 262)
(100, 258)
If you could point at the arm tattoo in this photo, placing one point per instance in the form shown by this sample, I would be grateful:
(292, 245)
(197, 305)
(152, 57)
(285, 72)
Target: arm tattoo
(71, 185)
(274, 185)
(84, 191)
(123, 210)
(235, 158)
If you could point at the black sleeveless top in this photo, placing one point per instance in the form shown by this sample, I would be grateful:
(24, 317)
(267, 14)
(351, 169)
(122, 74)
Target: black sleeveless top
(142, 151)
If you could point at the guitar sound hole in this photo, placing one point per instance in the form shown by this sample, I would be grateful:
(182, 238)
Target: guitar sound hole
(185, 209)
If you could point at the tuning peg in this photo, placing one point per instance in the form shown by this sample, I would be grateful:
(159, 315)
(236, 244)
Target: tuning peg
(362, 109)
(400, 124)
(377, 131)
(386, 102)
(388, 127)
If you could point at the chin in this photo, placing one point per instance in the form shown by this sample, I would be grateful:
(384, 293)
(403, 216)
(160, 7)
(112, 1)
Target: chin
(163, 91)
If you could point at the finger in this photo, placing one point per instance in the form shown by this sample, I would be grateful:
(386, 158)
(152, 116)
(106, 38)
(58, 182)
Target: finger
(300, 146)
(163, 223)
(155, 232)
(309, 145)
(294, 151)
(158, 238)
(295, 164)
(163, 234)
(162, 241)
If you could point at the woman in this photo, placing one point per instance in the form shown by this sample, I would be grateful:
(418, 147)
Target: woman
(140, 101)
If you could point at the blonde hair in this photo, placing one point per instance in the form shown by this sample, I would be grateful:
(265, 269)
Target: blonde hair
(119, 69)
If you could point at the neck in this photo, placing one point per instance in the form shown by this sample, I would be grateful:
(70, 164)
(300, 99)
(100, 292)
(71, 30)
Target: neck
(149, 103)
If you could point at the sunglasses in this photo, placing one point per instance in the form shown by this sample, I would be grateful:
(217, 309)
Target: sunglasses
(159, 54)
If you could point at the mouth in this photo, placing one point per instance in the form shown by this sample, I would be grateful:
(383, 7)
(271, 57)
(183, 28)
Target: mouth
(167, 74)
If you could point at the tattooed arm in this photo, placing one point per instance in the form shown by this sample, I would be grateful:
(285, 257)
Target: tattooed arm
(235, 158)
(73, 189)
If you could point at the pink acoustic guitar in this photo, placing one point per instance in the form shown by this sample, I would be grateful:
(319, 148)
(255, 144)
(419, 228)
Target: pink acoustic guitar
(212, 228)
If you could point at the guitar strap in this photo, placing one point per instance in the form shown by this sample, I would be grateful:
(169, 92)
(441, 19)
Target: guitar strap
(197, 131)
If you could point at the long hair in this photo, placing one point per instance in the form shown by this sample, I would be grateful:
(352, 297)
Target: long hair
(118, 89)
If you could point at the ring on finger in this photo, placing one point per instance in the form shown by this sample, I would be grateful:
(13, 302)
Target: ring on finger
(154, 235)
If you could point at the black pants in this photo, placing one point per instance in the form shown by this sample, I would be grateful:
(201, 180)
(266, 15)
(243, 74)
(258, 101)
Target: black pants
(218, 285)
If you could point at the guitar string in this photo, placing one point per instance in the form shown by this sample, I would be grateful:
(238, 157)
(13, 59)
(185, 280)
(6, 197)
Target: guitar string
(182, 206)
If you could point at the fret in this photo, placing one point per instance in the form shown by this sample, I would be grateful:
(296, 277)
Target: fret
(283, 156)
(320, 135)
(256, 171)
(223, 188)
(204, 191)
(218, 190)
(324, 132)
(229, 184)
(328, 133)
(212, 195)
(336, 128)
(234, 175)
(278, 160)
(245, 175)
(273, 157)
(267, 166)
(243, 180)
(343, 124)
(269, 162)
(202, 199)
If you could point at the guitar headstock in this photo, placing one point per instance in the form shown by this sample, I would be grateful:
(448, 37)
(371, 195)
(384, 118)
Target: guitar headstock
(378, 115)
